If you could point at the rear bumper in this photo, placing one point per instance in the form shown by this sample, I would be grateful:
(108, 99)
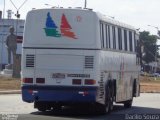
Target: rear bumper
(65, 94)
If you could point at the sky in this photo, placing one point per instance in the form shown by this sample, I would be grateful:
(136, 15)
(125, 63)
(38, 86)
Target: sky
(138, 13)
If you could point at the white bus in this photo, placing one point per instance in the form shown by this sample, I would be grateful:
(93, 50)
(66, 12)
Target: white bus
(78, 57)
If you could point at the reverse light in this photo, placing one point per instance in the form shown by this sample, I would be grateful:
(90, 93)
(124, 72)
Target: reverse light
(40, 80)
(90, 82)
(27, 80)
(84, 93)
(76, 81)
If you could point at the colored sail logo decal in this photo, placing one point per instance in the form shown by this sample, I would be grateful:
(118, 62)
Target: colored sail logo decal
(51, 28)
(65, 28)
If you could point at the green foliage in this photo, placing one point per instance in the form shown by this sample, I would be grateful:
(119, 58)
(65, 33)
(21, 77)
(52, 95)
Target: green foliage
(150, 47)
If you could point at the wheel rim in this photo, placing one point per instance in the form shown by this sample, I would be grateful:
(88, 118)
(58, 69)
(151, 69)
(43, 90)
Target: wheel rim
(107, 108)
(111, 103)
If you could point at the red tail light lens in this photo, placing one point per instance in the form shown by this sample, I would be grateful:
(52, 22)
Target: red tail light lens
(90, 82)
(40, 80)
(30, 91)
(27, 80)
(76, 81)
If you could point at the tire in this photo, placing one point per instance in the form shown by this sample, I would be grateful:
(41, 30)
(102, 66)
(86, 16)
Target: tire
(134, 88)
(108, 107)
(42, 109)
(128, 104)
(101, 109)
(111, 104)
(57, 108)
(41, 106)
(112, 92)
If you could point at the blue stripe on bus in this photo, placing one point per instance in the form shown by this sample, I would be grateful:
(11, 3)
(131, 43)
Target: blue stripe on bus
(58, 94)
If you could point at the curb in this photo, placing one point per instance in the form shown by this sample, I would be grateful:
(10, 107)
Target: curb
(10, 92)
(151, 92)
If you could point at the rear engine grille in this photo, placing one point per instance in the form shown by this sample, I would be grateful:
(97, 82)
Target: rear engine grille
(30, 60)
(89, 62)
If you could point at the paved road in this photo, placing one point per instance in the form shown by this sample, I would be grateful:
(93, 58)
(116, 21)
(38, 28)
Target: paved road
(146, 104)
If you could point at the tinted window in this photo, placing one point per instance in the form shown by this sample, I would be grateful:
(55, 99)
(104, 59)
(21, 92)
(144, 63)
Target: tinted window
(109, 39)
(102, 35)
(125, 40)
(130, 41)
(114, 37)
(120, 38)
(106, 36)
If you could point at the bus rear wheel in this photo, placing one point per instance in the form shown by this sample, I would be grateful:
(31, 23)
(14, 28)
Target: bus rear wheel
(42, 109)
(128, 104)
(108, 107)
(41, 106)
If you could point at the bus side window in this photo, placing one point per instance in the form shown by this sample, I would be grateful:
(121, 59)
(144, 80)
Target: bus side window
(133, 41)
(120, 38)
(130, 41)
(109, 37)
(106, 26)
(102, 35)
(114, 37)
(117, 42)
(125, 40)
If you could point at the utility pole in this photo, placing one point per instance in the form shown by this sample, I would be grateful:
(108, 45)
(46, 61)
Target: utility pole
(140, 44)
(158, 33)
(85, 4)
(17, 14)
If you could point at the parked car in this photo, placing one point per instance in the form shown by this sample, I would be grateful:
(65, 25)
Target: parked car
(156, 75)
(142, 73)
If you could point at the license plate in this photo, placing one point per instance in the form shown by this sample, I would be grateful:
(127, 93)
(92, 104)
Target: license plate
(58, 76)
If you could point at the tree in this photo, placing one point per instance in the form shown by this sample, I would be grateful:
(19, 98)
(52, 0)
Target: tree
(150, 48)
(159, 32)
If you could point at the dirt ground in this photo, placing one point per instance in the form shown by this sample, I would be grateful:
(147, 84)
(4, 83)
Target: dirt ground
(148, 84)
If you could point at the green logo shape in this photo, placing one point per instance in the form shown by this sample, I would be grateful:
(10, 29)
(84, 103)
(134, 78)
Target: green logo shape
(52, 32)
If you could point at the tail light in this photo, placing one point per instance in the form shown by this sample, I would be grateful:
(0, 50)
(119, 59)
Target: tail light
(40, 80)
(76, 81)
(90, 82)
(27, 80)
(30, 91)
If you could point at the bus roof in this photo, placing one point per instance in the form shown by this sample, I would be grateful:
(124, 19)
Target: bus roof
(101, 16)
(114, 22)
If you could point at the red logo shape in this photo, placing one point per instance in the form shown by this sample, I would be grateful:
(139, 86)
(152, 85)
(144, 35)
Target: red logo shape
(66, 28)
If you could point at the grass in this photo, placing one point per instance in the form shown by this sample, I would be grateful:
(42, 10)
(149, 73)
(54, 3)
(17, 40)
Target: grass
(146, 79)
(8, 83)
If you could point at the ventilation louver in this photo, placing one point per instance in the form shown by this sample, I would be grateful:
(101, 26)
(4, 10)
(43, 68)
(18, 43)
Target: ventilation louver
(30, 60)
(89, 62)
